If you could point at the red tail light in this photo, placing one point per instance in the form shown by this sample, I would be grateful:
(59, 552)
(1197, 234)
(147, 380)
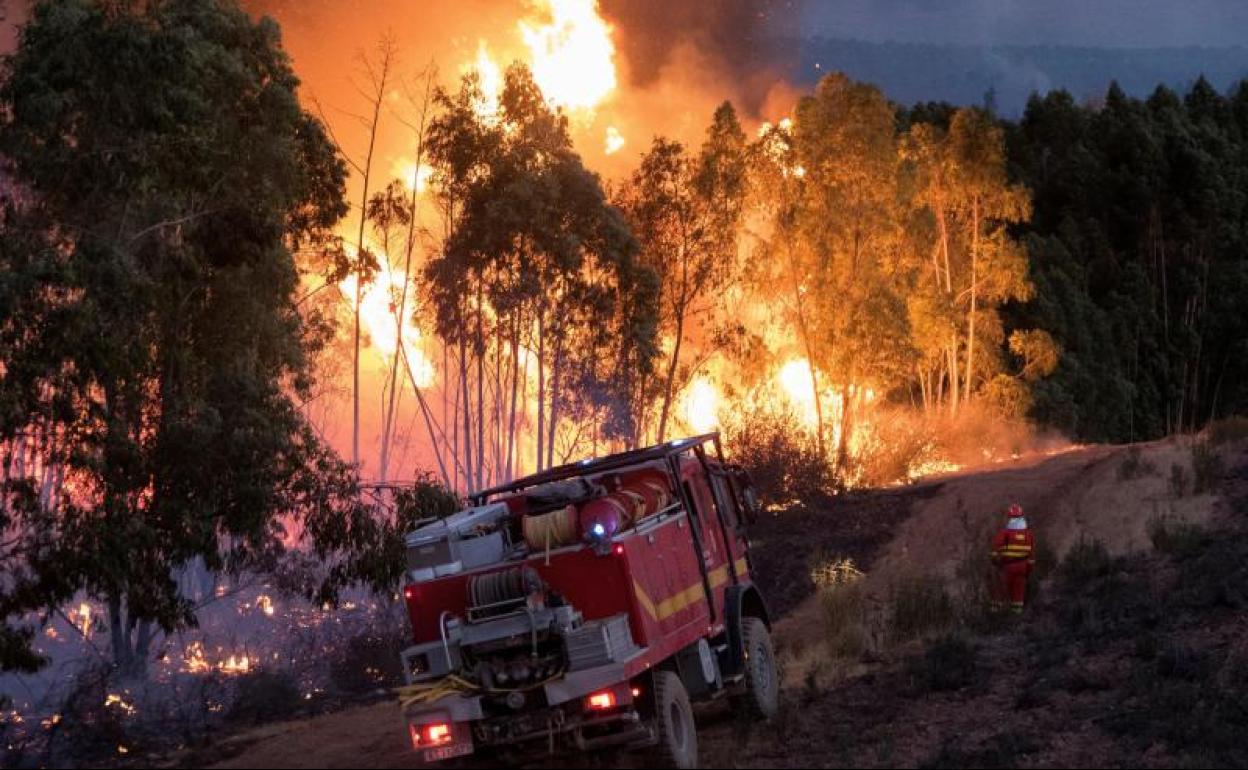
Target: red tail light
(431, 736)
(602, 701)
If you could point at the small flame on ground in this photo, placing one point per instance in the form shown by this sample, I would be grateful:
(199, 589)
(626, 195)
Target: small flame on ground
(113, 699)
(266, 605)
(84, 619)
(235, 665)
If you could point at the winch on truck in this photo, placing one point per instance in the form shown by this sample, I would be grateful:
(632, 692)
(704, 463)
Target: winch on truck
(588, 606)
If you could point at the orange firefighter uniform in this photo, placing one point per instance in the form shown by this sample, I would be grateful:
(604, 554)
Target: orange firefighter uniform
(1014, 554)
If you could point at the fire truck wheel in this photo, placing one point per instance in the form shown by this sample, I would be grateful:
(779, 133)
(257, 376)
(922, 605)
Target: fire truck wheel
(678, 736)
(762, 679)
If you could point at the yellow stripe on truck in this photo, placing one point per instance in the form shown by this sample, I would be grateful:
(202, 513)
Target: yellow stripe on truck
(682, 600)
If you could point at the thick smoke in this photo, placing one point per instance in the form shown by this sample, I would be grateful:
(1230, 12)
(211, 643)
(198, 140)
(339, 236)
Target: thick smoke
(747, 42)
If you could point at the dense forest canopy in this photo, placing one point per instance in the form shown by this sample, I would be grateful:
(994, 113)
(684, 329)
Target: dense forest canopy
(1139, 253)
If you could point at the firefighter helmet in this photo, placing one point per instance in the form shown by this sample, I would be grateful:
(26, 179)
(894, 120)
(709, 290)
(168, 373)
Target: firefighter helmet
(1016, 511)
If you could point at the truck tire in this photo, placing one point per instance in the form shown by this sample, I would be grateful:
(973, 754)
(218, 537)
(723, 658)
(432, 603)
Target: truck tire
(762, 677)
(673, 717)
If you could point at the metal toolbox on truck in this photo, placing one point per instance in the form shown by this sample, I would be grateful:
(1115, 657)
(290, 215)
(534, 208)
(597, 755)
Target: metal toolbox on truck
(470, 539)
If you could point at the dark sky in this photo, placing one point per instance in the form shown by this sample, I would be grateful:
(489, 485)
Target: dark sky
(1118, 23)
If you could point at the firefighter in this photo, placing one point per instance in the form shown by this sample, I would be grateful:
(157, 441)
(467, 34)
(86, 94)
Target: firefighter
(1014, 556)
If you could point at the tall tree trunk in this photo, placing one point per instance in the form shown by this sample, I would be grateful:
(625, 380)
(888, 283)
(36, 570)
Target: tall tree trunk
(541, 392)
(555, 384)
(669, 386)
(390, 421)
(380, 76)
(846, 428)
(515, 388)
(970, 337)
(434, 441)
(480, 353)
(955, 393)
(469, 477)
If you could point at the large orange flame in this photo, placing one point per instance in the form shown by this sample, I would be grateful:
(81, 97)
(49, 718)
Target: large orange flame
(572, 54)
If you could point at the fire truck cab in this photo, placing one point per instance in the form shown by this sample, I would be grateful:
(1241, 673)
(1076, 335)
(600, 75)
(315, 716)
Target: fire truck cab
(588, 606)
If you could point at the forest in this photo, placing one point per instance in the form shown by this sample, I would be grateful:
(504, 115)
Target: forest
(862, 285)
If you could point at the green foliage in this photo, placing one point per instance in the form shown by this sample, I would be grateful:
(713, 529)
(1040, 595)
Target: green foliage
(362, 544)
(1152, 342)
(16, 653)
(535, 258)
(152, 342)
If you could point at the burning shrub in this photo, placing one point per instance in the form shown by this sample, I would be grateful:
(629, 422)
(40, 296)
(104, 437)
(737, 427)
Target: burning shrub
(891, 448)
(783, 458)
(93, 719)
(978, 434)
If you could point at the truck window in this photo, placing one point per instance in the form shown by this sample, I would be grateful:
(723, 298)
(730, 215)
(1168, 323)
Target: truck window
(695, 515)
(723, 500)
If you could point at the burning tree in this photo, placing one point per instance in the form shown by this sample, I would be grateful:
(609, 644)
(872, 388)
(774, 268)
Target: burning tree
(686, 212)
(153, 350)
(975, 265)
(537, 292)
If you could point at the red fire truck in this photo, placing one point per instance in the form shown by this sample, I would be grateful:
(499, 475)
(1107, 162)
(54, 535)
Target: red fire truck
(588, 606)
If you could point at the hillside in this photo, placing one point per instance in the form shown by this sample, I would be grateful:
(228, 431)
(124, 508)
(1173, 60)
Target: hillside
(1132, 654)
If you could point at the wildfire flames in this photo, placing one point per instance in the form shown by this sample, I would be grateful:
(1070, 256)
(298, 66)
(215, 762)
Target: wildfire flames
(572, 55)
(379, 302)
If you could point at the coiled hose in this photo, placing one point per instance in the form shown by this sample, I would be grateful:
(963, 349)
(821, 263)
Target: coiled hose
(423, 693)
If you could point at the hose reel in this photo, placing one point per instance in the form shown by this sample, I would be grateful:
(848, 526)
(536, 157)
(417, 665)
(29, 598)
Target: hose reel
(498, 593)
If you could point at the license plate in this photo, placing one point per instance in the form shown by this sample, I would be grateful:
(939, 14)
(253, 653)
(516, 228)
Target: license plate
(442, 753)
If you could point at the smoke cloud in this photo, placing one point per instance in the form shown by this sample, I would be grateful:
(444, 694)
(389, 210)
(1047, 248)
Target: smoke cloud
(746, 42)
